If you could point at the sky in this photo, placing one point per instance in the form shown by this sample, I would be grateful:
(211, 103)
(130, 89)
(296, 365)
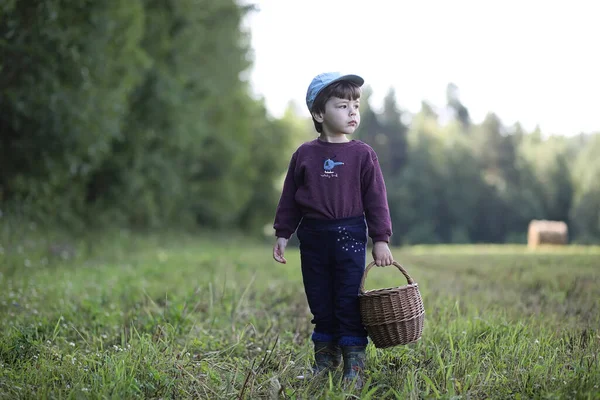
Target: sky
(535, 62)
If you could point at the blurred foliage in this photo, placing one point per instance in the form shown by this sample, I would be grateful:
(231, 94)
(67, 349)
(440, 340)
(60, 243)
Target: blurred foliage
(139, 114)
(467, 183)
(133, 113)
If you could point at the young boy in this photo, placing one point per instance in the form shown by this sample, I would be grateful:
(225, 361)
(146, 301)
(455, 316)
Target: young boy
(332, 186)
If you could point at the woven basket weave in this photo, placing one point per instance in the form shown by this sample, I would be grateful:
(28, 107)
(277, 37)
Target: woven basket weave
(392, 316)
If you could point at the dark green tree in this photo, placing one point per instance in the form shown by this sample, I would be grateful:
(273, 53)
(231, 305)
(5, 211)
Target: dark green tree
(392, 144)
(67, 70)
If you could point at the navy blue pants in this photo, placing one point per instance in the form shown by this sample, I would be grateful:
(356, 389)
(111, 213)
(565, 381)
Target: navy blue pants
(333, 257)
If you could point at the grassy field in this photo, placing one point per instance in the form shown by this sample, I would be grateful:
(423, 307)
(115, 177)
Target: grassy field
(148, 317)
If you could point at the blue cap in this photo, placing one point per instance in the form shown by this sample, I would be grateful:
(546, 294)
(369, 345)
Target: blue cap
(323, 80)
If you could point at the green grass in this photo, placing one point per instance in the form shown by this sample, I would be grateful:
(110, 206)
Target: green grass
(181, 317)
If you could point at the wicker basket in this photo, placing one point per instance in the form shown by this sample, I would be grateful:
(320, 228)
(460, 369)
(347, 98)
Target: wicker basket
(392, 316)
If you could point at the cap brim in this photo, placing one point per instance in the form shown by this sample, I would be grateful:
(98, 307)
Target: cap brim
(352, 78)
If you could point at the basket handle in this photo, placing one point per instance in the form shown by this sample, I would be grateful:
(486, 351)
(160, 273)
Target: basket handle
(394, 263)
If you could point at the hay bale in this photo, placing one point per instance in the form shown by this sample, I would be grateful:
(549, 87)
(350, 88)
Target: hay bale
(543, 232)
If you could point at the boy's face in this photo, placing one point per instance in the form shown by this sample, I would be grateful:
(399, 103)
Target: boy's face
(341, 116)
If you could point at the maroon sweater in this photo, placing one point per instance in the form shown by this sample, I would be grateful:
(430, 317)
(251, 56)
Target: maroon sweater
(332, 181)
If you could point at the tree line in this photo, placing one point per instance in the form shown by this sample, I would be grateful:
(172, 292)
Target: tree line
(133, 113)
(140, 114)
(451, 180)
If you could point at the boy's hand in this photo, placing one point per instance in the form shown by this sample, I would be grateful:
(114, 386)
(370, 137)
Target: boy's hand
(279, 249)
(382, 254)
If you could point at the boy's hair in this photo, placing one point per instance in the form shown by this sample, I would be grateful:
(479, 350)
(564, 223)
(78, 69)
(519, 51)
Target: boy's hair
(342, 89)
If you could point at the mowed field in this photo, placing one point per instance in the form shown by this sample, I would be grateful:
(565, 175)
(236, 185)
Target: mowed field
(184, 317)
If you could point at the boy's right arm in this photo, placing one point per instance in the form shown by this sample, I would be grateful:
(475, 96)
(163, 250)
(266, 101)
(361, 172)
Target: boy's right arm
(288, 215)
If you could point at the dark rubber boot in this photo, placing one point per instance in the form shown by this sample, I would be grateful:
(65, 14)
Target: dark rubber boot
(354, 364)
(328, 356)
